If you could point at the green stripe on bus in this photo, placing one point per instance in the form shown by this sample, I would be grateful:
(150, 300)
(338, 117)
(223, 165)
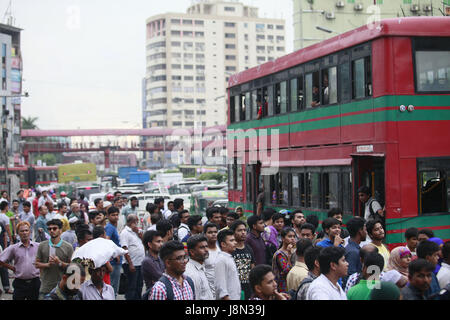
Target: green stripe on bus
(400, 237)
(365, 105)
(422, 221)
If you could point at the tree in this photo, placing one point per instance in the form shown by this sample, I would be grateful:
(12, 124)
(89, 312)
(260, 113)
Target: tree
(211, 176)
(29, 123)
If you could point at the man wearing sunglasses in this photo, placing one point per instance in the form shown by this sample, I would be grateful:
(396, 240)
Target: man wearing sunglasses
(173, 285)
(53, 256)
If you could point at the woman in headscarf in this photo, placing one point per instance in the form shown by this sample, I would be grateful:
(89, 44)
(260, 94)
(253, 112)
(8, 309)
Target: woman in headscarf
(440, 243)
(397, 268)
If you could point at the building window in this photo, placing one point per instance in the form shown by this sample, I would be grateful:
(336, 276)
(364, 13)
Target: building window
(230, 46)
(230, 35)
(188, 78)
(280, 27)
(177, 123)
(230, 24)
(230, 68)
(280, 49)
(187, 22)
(200, 46)
(175, 21)
(199, 22)
(188, 34)
(199, 34)
(188, 45)
(230, 57)
(176, 44)
(189, 123)
(175, 33)
(200, 78)
(270, 26)
(176, 66)
(176, 78)
(230, 9)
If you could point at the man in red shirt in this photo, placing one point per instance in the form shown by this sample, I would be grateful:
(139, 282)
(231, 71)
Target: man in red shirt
(36, 204)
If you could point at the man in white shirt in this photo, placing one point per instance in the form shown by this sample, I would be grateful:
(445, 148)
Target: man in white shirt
(443, 275)
(332, 267)
(44, 198)
(210, 230)
(183, 229)
(170, 210)
(197, 247)
(131, 240)
(228, 286)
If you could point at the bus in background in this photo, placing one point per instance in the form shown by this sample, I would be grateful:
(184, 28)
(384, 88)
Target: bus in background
(369, 107)
(31, 176)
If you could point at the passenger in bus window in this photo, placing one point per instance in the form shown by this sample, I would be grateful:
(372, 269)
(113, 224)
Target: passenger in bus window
(315, 97)
(260, 109)
(326, 96)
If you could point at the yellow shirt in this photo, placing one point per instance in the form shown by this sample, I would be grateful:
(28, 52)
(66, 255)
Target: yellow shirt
(384, 252)
(296, 275)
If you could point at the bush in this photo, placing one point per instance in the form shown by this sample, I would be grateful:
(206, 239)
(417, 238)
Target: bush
(211, 176)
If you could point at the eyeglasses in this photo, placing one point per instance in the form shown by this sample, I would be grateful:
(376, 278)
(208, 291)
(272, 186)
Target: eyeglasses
(181, 258)
(52, 228)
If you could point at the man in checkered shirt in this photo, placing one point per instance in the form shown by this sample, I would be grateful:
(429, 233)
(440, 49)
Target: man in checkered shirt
(175, 260)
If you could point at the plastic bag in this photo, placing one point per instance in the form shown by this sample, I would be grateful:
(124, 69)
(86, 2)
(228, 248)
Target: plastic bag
(99, 251)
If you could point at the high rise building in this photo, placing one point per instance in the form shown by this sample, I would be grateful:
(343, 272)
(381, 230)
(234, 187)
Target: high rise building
(338, 16)
(10, 91)
(190, 57)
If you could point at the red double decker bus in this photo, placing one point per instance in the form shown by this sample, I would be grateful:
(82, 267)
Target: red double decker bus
(368, 107)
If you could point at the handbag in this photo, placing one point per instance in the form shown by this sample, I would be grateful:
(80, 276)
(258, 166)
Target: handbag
(123, 283)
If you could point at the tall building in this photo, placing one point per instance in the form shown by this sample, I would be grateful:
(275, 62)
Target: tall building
(190, 57)
(339, 16)
(10, 91)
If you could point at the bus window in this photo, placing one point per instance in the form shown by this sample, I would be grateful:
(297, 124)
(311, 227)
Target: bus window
(331, 190)
(362, 78)
(344, 82)
(433, 71)
(254, 104)
(233, 110)
(297, 94)
(284, 188)
(239, 176)
(432, 57)
(329, 86)
(284, 97)
(295, 191)
(347, 192)
(242, 107)
(237, 108)
(270, 101)
(248, 108)
(358, 79)
(277, 98)
(265, 101)
(434, 187)
(231, 175)
(312, 90)
(313, 189)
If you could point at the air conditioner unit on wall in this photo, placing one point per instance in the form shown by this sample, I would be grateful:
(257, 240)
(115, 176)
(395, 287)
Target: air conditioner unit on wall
(340, 4)
(427, 8)
(359, 7)
(330, 15)
(415, 7)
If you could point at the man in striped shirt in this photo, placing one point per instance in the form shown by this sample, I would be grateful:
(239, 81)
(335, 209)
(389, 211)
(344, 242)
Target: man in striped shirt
(173, 285)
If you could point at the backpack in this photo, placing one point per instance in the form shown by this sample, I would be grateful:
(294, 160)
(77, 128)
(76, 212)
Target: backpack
(169, 288)
(175, 233)
(305, 281)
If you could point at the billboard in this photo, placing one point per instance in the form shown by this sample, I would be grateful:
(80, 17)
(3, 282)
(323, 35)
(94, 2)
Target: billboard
(77, 172)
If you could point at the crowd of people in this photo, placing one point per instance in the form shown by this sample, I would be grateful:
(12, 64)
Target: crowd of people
(227, 255)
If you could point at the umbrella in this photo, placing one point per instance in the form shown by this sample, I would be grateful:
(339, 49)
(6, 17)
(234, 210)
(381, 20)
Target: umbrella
(98, 252)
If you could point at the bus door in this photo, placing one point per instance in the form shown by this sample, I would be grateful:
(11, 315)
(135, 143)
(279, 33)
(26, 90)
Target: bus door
(368, 171)
(253, 185)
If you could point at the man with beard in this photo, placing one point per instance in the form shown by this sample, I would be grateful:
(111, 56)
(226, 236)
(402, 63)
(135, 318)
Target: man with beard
(68, 287)
(173, 285)
(243, 256)
(332, 229)
(376, 232)
(298, 219)
(197, 247)
(152, 265)
(52, 257)
(358, 233)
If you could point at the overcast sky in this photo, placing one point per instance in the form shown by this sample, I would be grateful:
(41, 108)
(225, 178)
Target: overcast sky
(84, 60)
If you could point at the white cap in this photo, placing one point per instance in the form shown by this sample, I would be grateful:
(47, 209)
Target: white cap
(73, 220)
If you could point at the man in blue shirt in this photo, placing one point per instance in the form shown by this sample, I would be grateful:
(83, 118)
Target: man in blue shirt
(112, 234)
(358, 233)
(429, 251)
(332, 229)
